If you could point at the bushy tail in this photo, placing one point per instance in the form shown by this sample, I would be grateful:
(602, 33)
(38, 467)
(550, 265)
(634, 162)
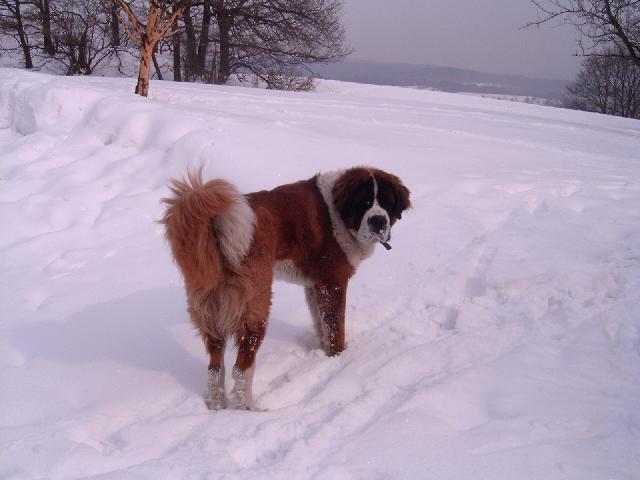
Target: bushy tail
(189, 226)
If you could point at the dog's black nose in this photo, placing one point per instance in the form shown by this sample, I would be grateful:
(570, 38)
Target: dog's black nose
(377, 223)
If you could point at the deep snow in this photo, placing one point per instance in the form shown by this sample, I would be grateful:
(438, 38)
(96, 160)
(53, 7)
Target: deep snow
(499, 339)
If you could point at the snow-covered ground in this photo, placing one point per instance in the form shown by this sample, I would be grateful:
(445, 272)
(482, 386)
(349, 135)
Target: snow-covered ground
(499, 339)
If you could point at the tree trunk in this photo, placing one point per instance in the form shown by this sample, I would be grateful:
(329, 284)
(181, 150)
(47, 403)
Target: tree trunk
(177, 63)
(190, 63)
(146, 53)
(115, 26)
(156, 66)
(146, 49)
(204, 40)
(22, 37)
(84, 65)
(225, 22)
(49, 47)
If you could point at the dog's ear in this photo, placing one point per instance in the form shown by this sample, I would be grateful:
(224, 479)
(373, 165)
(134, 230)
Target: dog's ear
(402, 197)
(400, 201)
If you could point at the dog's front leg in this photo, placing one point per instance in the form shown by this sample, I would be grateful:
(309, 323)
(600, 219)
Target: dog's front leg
(327, 302)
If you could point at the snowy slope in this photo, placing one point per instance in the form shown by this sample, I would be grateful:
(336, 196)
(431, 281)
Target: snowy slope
(499, 339)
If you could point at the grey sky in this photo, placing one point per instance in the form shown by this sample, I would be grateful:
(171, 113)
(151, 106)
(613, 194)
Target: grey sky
(483, 35)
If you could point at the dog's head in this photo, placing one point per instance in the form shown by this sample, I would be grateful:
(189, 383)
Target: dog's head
(369, 201)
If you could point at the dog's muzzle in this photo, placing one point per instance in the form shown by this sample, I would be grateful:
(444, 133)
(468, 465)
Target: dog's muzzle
(378, 227)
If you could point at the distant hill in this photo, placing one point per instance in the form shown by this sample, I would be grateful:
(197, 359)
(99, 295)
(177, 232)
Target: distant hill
(441, 78)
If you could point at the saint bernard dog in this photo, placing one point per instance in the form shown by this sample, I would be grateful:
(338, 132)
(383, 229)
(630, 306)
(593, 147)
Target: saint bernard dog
(230, 247)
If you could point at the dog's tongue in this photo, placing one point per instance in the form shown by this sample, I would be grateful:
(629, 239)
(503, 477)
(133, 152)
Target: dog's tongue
(386, 245)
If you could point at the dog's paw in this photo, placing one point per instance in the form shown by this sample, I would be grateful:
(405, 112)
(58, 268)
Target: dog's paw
(248, 407)
(216, 400)
(241, 397)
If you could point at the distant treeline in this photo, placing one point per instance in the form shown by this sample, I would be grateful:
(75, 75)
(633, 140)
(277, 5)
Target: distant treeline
(272, 40)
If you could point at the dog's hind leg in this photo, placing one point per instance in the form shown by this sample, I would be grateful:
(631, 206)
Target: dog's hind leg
(216, 398)
(249, 341)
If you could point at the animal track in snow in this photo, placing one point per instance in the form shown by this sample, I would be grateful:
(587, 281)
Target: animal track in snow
(66, 262)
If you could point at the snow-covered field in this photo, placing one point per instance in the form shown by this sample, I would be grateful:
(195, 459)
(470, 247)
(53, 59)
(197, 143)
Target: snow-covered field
(499, 339)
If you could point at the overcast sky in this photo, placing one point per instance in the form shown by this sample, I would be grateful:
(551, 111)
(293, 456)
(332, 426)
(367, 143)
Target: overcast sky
(483, 35)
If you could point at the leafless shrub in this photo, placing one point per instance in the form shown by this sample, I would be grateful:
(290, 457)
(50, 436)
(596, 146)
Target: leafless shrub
(606, 84)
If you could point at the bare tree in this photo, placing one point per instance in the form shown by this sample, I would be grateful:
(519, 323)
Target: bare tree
(11, 22)
(197, 21)
(161, 16)
(82, 33)
(275, 39)
(606, 84)
(44, 16)
(76, 35)
(194, 62)
(610, 24)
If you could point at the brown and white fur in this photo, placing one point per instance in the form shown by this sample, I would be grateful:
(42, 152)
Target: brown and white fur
(230, 247)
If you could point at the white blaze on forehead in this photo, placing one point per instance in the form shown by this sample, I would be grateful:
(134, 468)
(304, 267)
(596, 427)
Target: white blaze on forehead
(364, 232)
(375, 203)
(375, 188)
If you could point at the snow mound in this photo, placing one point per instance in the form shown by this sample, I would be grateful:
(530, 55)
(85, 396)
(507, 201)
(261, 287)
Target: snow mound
(500, 338)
